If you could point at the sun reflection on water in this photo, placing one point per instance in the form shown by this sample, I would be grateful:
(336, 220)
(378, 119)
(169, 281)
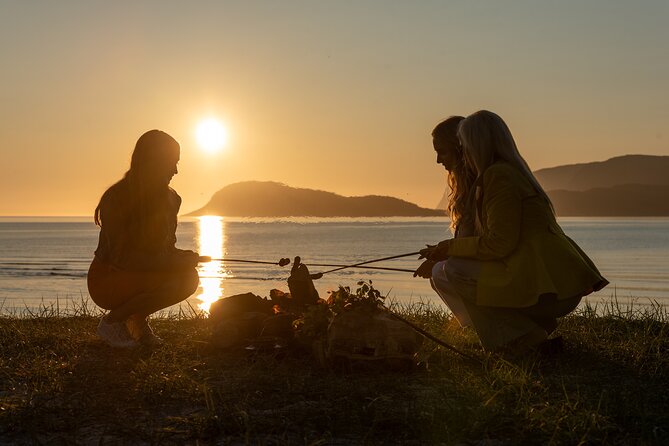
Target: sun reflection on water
(211, 242)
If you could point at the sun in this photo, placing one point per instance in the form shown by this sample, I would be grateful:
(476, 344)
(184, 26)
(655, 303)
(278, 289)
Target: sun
(211, 135)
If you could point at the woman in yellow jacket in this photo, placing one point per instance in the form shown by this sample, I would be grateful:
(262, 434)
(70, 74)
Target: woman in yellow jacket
(519, 272)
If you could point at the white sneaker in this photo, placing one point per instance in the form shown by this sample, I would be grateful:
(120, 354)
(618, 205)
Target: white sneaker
(115, 334)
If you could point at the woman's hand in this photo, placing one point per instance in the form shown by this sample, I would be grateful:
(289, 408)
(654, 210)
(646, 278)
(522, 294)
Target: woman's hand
(435, 253)
(425, 253)
(185, 258)
(425, 269)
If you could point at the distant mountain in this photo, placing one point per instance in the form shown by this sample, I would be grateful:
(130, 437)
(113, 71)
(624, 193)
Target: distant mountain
(271, 199)
(627, 200)
(627, 169)
(629, 185)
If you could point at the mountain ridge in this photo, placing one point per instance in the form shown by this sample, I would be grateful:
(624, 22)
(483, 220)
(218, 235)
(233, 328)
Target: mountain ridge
(616, 171)
(626, 185)
(274, 199)
(625, 200)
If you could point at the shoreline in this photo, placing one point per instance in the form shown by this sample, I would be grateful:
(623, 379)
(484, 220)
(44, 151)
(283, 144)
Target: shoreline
(64, 307)
(310, 219)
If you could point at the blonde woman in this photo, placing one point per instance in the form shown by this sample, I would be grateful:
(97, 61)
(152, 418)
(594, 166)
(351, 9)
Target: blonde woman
(520, 272)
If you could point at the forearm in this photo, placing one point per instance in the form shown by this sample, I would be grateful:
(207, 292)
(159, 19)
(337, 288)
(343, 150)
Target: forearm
(502, 219)
(161, 260)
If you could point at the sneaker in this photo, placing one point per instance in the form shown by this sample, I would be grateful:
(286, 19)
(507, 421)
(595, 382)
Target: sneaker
(141, 331)
(115, 334)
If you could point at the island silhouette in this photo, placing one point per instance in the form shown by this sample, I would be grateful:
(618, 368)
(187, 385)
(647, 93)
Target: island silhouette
(273, 199)
(629, 185)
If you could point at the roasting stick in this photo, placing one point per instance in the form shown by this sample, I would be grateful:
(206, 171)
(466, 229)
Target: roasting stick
(355, 265)
(284, 262)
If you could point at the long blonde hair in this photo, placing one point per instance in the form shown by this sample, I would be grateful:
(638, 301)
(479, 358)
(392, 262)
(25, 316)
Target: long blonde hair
(460, 178)
(487, 139)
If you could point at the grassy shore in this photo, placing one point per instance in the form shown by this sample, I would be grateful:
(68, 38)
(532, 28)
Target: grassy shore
(60, 385)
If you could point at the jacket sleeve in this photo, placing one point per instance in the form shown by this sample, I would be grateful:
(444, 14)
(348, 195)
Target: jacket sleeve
(502, 215)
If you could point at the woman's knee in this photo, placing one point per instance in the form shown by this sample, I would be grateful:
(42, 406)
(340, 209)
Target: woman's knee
(438, 272)
(191, 281)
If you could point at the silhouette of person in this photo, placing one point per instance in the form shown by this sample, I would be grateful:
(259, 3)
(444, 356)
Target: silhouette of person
(137, 270)
(518, 272)
(460, 183)
(460, 205)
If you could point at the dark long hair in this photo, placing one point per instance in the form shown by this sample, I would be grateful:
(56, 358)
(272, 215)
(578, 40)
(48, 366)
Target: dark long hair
(141, 191)
(461, 178)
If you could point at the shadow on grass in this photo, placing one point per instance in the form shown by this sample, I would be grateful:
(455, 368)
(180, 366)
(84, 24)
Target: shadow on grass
(60, 384)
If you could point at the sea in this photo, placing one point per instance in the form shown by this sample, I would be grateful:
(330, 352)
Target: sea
(44, 261)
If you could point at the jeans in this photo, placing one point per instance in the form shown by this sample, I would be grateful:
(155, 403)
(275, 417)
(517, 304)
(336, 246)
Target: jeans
(455, 281)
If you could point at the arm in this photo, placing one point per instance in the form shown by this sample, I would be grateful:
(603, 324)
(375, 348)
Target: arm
(502, 213)
(122, 242)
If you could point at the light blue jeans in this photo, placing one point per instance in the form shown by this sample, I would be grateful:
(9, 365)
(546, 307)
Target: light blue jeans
(455, 281)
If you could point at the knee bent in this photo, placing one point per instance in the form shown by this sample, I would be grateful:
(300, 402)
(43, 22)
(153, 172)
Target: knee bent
(190, 282)
(438, 270)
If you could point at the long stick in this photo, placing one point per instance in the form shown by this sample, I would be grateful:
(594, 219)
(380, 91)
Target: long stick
(371, 261)
(339, 266)
(245, 261)
(378, 268)
(433, 338)
(382, 268)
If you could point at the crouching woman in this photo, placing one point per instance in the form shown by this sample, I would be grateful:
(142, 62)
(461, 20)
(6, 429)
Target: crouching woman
(519, 272)
(137, 270)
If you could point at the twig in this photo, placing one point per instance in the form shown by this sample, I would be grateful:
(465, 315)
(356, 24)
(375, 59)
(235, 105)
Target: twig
(371, 261)
(433, 338)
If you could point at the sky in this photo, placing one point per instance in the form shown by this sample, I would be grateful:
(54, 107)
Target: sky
(332, 95)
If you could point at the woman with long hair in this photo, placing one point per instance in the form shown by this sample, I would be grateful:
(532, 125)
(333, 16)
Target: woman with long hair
(460, 176)
(460, 206)
(518, 272)
(137, 270)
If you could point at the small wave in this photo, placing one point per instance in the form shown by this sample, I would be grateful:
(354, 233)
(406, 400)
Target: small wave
(622, 287)
(261, 279)
(47, 263)
(42, 273)
(37, 269)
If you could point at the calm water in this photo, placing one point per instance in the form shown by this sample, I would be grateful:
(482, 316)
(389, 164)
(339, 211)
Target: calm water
(44, 261)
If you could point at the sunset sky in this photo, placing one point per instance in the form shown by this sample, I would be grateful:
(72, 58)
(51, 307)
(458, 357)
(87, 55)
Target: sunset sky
(332, 95)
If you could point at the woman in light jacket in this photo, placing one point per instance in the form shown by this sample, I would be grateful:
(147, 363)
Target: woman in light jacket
(520, 272)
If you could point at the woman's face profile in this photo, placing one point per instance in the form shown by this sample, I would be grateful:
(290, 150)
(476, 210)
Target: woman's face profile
(447, 152)
(171, 169)
(164, 167)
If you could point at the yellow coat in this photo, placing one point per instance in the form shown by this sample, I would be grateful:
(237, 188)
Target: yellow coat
(524, 251)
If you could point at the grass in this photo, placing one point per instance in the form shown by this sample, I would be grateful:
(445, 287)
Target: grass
(60, 385)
